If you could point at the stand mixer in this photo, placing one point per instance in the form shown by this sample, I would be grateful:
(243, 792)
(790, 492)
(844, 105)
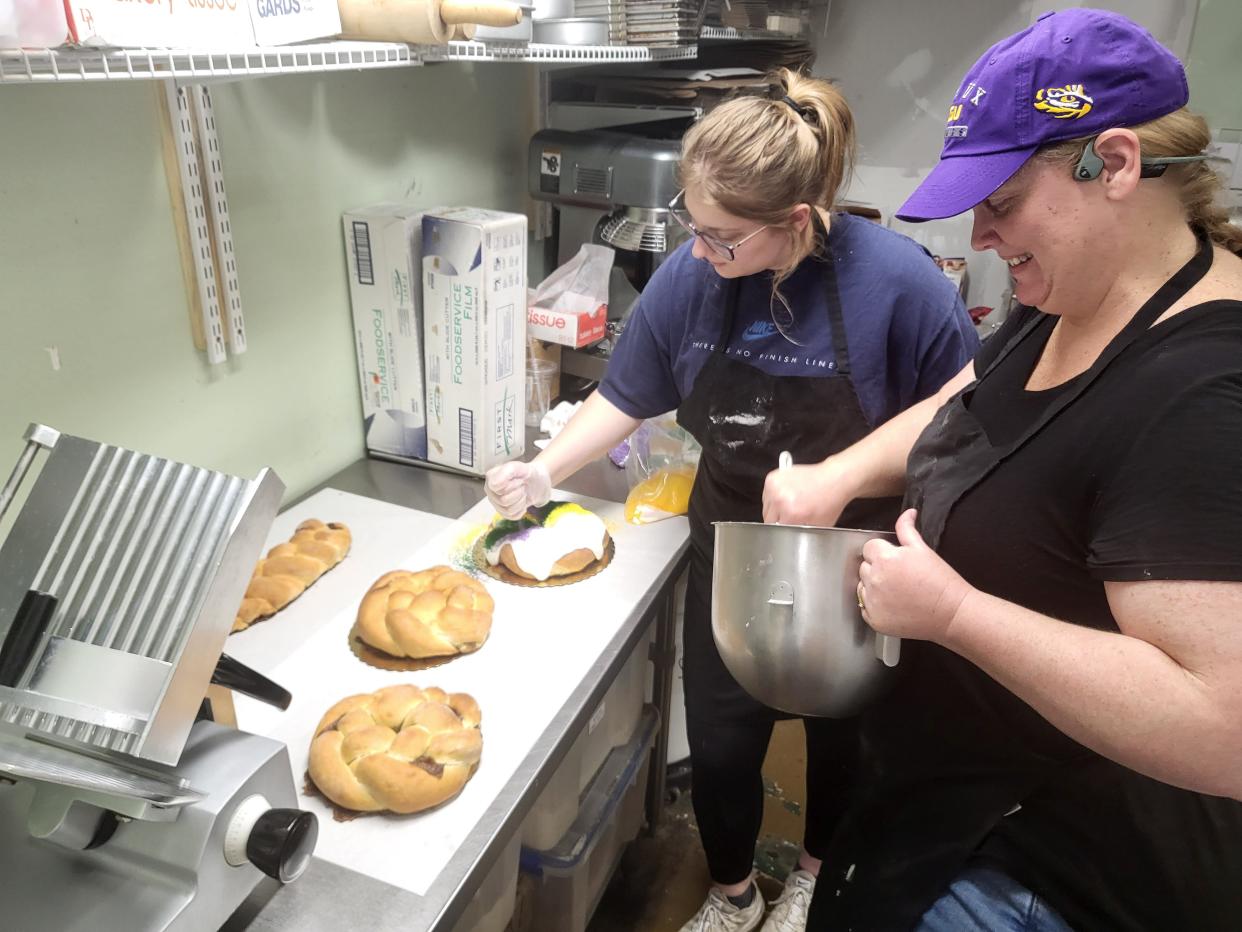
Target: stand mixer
(122, 804)
(610, 186)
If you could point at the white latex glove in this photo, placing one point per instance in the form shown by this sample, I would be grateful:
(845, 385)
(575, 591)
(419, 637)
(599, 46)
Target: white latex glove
(514, 487)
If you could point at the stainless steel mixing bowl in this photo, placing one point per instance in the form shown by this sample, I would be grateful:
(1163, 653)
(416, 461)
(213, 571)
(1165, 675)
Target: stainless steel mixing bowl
(786, 620)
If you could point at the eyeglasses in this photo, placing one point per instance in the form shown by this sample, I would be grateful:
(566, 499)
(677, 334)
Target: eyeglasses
(720, 248)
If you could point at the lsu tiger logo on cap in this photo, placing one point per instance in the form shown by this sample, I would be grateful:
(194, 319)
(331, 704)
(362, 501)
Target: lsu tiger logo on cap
(1063, 103)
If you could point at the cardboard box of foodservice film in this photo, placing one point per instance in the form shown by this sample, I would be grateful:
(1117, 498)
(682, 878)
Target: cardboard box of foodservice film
(474, 327)
(382, 252)
(279, 22)
(190, 24)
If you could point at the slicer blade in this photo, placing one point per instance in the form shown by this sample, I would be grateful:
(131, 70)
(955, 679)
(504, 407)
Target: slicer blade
(147, 560)
(41, 763)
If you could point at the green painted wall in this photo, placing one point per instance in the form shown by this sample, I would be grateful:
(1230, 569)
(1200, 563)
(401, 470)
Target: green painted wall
(89, 263)
(1214, 64)
(88, 259)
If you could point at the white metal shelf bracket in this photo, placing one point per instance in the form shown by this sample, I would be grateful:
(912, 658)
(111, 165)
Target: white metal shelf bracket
(204, 294)
(217, 204)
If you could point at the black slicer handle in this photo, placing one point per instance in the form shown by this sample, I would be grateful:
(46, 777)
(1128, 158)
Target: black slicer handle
(31, 620)
(235, 675)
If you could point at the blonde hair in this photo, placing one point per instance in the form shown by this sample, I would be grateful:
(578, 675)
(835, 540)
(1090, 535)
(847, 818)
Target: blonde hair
(758, 158)
(1197, 183)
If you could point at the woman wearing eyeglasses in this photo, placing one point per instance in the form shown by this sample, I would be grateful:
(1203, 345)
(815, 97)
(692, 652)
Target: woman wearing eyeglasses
(780, 326)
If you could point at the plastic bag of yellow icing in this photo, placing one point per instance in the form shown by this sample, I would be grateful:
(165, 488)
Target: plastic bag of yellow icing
(661, 463)
(661, 495)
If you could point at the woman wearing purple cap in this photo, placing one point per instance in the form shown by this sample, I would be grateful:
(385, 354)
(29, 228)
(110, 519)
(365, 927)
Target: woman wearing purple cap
(1065, 750)
(781, 325)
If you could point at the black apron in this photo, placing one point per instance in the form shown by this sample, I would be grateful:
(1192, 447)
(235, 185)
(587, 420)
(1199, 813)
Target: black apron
(933, 794)
(744, 418)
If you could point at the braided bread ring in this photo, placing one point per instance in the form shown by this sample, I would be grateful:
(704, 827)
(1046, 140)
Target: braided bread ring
(435, 612)
(401, 749)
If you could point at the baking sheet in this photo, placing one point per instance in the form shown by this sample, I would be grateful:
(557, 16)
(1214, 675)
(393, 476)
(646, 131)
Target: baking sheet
(542, 644)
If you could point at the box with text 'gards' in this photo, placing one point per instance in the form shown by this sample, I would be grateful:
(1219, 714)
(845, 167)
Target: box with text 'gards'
(280, 22)
(382, 253)
(474, 301)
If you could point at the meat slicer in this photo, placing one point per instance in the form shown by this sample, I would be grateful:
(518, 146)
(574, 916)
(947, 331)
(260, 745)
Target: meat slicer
(122, 804)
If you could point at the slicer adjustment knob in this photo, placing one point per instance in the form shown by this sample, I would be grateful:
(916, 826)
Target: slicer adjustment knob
(278, 842)
(282, 841)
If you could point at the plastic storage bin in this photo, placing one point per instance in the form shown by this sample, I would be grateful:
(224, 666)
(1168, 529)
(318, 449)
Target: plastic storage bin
(611, 725)
(567, 881)
(492, 905)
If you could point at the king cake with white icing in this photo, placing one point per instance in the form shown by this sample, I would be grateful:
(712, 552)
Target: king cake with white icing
(544, 536)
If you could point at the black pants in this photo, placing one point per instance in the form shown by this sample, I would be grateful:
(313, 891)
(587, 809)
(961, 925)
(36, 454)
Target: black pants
(729, 732)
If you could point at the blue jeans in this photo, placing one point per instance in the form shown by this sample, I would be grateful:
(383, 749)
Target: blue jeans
(984, 899)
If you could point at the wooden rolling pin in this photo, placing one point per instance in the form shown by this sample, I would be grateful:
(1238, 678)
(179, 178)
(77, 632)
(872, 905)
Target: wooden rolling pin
(422, 21)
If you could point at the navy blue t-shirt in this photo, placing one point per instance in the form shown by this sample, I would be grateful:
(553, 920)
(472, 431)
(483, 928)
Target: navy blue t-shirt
(905, 325)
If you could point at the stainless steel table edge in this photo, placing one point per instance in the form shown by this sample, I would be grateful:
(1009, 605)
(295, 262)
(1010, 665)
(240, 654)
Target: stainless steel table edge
(321, 898)
(551, 747)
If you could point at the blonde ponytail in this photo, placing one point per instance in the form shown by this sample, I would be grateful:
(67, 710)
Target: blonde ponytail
(1198, 185)
(833, 125)
(759, 158)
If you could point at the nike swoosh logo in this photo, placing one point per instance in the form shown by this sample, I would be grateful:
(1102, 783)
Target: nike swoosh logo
(758, 330)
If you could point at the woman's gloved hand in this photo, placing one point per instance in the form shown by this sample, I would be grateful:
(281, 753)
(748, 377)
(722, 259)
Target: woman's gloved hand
(514, 487)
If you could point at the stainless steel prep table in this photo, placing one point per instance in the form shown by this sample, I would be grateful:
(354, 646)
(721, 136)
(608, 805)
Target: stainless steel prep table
(329, 897)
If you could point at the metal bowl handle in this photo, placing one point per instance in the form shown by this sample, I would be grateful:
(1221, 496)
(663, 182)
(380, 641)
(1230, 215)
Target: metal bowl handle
(781, 602)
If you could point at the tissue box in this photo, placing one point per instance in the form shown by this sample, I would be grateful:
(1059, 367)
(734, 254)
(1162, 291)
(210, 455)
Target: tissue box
(577, 330)
(278, 22)
(474, 299)
(382, 250)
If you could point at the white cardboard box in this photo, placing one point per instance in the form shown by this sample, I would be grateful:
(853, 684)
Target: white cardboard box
(203, 24)
(474, 295)
(279, 22)
(383, 256)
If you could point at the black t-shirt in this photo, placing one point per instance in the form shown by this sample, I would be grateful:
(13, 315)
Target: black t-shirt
(1139, 478)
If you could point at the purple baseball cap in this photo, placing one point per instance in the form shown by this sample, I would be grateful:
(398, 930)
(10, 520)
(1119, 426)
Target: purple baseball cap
(1071, 74)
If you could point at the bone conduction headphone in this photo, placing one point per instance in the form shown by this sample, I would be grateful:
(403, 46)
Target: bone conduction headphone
(1090, 165)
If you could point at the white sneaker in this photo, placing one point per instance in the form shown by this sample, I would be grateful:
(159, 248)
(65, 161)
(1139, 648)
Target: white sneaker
(719, 915)
(790, 909)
